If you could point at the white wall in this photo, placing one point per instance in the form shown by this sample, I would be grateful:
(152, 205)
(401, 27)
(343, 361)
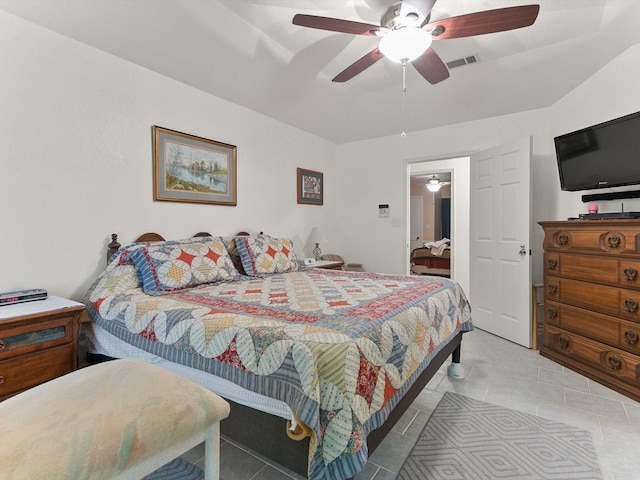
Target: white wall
(378, 164)
(75, 130)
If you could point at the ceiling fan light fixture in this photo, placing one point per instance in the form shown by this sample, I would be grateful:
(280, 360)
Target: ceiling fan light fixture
(433, 185)
(405, 44)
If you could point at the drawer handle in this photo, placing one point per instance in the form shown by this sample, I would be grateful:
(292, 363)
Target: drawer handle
(563, 239)
(613, 241)
(2, 345)
(551, 263)
(631, 337)
(552, 313)
(552, 288)
(563, 343)
(614, 362)
(1, 379)
(630, 274)
(630, 305)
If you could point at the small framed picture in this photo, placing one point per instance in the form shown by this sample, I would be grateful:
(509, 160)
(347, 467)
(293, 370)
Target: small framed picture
(310, 187)
(192, 169)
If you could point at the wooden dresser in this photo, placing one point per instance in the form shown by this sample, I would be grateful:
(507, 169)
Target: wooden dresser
(592, 300)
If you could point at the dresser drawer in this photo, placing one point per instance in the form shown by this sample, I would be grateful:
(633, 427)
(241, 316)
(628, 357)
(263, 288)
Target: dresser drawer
(612, 361)
(590, 324)
(590, 296)
(590, 268)
(595, 238)
(598, 269)
(605, 299)
(29, 337)
(29, 370)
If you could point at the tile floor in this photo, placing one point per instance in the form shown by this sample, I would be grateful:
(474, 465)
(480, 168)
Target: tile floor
(499, 372)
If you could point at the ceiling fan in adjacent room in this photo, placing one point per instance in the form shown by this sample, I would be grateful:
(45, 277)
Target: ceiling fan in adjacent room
(434, 184)
(406, 34)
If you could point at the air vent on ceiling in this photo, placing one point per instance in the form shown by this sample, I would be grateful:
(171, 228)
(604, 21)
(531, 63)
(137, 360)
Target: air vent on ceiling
(462, 61)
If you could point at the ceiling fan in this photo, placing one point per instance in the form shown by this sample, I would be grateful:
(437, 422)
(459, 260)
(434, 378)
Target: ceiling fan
(406, 34)
(434, 184)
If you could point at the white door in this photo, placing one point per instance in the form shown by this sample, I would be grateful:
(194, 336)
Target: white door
(500, 267)
(416, 215)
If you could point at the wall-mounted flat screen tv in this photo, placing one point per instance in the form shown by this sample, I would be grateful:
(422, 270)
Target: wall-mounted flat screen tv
(604, 155)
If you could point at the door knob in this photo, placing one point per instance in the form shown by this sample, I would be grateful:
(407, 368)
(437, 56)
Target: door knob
(522, 251)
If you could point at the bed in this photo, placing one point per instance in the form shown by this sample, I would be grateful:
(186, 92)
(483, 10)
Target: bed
(432, 259)
(317, 364)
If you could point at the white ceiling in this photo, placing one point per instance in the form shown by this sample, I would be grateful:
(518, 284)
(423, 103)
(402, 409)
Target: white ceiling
(249, 52)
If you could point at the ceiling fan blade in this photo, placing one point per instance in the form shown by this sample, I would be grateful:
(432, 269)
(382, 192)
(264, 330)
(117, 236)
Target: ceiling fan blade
(359, 65)
(489, 21)
(335, 24)
(421, 8)
(431, 67)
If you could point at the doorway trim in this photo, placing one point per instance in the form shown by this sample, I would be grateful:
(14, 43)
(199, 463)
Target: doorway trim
(416, 202)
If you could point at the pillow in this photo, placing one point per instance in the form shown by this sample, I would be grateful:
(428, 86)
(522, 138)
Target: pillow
(230, 244)
(166, 267)
(126, 251)
(264, 254)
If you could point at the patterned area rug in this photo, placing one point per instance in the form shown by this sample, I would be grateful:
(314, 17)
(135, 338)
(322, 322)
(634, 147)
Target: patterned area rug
(467, 439)
(177, 469)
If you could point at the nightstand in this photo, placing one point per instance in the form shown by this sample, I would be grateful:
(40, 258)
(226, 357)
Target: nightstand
(38, 342)
(327, 264)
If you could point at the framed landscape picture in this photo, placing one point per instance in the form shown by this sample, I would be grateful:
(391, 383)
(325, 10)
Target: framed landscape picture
(192, 169)
(310, 187)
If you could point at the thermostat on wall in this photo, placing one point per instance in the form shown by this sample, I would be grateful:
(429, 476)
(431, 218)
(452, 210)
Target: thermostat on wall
(383, 210)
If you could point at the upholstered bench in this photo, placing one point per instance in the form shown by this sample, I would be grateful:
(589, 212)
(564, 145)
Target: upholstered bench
(118, 419)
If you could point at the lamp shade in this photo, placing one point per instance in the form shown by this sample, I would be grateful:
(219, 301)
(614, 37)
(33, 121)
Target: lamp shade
(405, 44)
(316, 236)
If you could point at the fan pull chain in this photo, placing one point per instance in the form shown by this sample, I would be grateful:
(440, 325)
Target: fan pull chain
(404, 92)
(404, 78)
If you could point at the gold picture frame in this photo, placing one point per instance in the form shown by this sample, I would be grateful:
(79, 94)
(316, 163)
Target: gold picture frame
(193, 169)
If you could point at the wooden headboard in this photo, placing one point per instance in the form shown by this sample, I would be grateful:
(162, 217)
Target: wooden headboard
(114, 245)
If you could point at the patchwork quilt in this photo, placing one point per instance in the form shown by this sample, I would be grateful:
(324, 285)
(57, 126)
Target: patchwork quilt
(340, 348)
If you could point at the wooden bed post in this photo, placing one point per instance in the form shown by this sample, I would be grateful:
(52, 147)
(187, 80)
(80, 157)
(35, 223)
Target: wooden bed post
(113, 246)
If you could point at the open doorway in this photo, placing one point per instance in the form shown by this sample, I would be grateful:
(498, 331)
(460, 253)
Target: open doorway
(430, 223)
(458, 176)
